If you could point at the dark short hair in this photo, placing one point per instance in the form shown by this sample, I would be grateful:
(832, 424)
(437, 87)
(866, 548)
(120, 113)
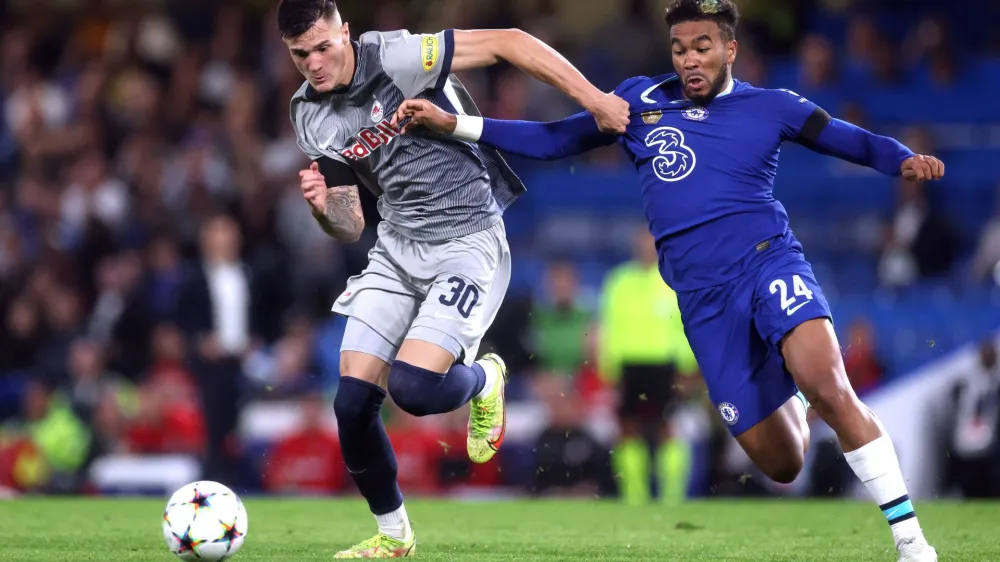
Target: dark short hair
(722, 12)
(295, 17)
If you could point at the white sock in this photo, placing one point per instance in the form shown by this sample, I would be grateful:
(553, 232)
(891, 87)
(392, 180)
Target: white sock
(395, 524)
(877, 467)
(491, 379)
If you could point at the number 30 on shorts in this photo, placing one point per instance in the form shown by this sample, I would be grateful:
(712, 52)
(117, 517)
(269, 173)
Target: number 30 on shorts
(792, 303)
(463, 296)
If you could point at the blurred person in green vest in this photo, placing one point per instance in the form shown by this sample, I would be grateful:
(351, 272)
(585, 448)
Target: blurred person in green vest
(560, 325)
(60, 442)
(643, 350)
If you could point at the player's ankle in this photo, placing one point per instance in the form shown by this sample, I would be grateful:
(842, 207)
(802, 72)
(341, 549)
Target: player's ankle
(491, 379)
(395, 524)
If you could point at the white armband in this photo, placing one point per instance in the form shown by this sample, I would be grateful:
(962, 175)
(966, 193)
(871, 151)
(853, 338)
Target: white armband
(468, 128)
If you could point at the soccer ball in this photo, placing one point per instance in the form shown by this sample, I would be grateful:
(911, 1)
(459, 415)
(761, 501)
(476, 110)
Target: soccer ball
(204, 521)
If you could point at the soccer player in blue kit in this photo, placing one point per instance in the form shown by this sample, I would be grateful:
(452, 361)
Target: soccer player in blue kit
(706, 147)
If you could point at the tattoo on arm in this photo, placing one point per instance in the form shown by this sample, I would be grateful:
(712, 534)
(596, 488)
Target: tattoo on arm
(342, 218)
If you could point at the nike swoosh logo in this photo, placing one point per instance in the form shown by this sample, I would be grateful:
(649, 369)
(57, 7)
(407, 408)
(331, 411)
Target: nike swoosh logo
(445, 317)
(645, 95)
(329, 141)
(792, 310)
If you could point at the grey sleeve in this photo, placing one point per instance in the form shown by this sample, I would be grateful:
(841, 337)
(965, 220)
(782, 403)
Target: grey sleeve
(419, 62)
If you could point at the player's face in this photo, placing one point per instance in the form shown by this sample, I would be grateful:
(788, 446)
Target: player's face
(323, 54)
(702, 58)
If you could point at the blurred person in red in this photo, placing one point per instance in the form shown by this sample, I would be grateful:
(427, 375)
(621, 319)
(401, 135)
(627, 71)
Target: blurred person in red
(430, 453)
(170, 418)
(308, 461)
(864, 368)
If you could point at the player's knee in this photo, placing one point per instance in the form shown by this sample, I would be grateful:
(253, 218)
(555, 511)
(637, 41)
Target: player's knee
(786, 468)
(364, 367)
(348, 409)
(832, 397)
(409, 392)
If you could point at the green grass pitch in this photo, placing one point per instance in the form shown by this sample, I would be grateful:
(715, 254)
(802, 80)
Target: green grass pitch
(55, 530)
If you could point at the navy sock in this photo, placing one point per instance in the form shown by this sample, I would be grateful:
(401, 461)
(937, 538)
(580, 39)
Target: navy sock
(421, 392)
(365, 445)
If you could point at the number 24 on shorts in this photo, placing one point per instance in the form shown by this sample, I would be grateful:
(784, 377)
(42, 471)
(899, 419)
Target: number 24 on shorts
(790, 304)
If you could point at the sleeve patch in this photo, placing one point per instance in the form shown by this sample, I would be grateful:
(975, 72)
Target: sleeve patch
(430, 50)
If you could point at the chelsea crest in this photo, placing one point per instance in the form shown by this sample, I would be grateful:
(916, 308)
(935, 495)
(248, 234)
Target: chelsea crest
(695, 113)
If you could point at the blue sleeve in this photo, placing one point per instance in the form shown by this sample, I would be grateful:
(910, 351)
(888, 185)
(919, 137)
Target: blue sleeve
(805, 123)
(545, 141)
(854, 144)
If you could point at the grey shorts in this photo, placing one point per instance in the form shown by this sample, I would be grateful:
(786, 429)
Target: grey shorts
(446, 293)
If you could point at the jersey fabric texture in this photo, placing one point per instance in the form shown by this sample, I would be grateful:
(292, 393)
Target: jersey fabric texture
(430, 187)
(706, 174)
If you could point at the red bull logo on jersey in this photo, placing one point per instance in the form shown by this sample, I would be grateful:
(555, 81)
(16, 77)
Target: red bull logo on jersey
(369, 140)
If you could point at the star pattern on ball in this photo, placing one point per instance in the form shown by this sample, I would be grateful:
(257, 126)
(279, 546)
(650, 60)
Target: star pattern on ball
(201, 500)
(187, 543)
(231, 534)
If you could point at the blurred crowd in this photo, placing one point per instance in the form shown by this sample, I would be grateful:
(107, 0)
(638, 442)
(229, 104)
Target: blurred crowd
(144, 144)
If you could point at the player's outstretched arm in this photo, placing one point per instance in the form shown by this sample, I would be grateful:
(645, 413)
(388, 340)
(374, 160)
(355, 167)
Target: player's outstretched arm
(336, 209)
(479, 48)
(846, 141)
(541, 141)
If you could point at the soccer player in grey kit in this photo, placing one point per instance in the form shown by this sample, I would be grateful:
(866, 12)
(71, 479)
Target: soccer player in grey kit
(441, 265)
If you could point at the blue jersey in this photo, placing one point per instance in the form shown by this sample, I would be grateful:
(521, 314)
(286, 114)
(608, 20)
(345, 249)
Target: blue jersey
(706, 173)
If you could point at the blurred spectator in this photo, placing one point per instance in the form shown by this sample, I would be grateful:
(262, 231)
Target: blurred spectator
(120, 317)
(986, 261)
(817, 65)
(21, 337)
(171, 418)
(569, 459)
(973, 426)
(643, 350)
(560, 325)
(285, 368)
(216, 313)
(920, 241)
(62, 308)
(93, 194)
(61, 440)
(864, 369)
(308, 461)
(89, 379)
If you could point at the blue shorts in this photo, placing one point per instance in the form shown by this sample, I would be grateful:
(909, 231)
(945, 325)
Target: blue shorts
(735, 330)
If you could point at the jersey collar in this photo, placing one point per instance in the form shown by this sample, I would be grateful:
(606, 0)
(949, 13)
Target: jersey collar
(729, 87)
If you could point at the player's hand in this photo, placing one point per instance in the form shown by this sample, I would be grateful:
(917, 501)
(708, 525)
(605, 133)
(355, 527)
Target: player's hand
(611, 113)
(313, 186)
(922, 168)
(426, 114)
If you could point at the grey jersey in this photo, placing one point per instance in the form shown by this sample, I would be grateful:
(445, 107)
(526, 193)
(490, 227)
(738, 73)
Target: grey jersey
(430, 187)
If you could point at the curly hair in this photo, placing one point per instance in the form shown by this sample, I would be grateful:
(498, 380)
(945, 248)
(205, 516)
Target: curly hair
(722, 12)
